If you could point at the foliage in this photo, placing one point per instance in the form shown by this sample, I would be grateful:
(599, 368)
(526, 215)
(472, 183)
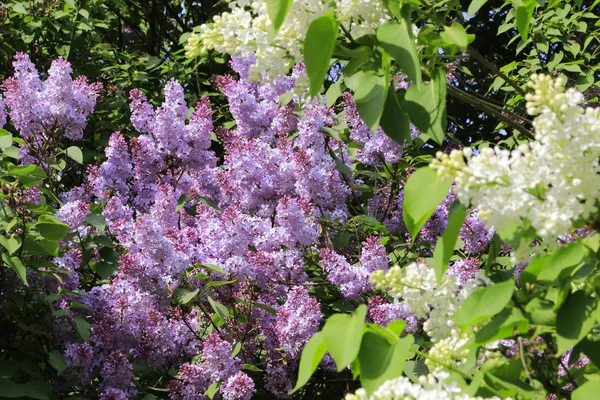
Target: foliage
(278, 231)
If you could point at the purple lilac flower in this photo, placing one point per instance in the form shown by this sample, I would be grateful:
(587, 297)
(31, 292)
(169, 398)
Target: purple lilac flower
(79, 360)
(373, 257)
(217, 362)
(238, 387)
(142, 112)
(255, 106)
(117, 169)
(117, 373)
(114, 394)
(383, 312)
(341, 273)
(475, 236)
(59, 103)
(2, 112)
(194, 383)
(377, 147)
(464, 269)
(297, 320)
(294, 224)
(73, 213)
(278, 378)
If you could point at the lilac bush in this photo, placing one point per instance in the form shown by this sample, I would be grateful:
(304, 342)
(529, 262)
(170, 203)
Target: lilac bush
(202, 273)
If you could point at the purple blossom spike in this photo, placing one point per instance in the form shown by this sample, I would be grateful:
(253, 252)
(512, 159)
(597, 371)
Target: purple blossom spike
(297, 320)
(2, 112)
(238, 387)
(464, 269)
(475, 236)
(58, 104)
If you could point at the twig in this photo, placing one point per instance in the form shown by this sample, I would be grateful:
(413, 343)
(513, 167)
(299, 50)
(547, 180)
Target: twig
(488, 110)
(521, 353)
(477, 55)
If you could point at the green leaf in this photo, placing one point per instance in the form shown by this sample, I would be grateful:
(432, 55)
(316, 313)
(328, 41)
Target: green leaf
(475, 6)
(313, 353)
(250, 367)
(219, 308)
(5, 139)
(484, 303)
(82, 327)
(12, 152)
(57, 361)
(397, 326)
(105, 269)
(587, 391)
(455, 35)
(183, 296)
(508, 374)
(267, 308)
(398, 41)
(212, 267)
(74, 152)
(575, 319)
(503, 325)
(98, 221)
(49, 246)
(11, 244)
(277, 10)
(587, 347)
(343, 334)
(318, 49)
(11, 390)
(380, 360)
(427, 106)
(370, 97)
(51, 227)
(43, 247)
(29, 175)
(444, 248)
(541, 312)
(413, 370)
(394, 119)
(394, 7)
(423, 192)
(16, 265)
(19, 8)
(333, 93)
(220, 283)
(236, 349)
(514, 233)
(524, 10)
(562, 262)
(212, 390)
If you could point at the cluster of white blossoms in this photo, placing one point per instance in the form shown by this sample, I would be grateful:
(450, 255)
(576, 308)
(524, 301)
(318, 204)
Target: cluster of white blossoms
(435, 303)
(431, 387)
(550, 183)
(247, 29)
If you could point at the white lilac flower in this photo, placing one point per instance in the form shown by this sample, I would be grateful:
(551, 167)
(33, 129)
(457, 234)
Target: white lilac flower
(247, 29)
(431, 387)
(549, 183)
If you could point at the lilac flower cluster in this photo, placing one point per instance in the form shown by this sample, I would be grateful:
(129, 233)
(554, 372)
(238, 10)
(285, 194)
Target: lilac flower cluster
(377, 147)
(354, 280)
(474, 235)
(57, 105)
(169, 207)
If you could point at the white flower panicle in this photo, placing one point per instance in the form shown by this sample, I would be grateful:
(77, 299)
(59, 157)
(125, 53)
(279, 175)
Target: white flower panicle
(416, 285)
(418, 288)
(431, 387)
(549, 183)
(247, 29)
